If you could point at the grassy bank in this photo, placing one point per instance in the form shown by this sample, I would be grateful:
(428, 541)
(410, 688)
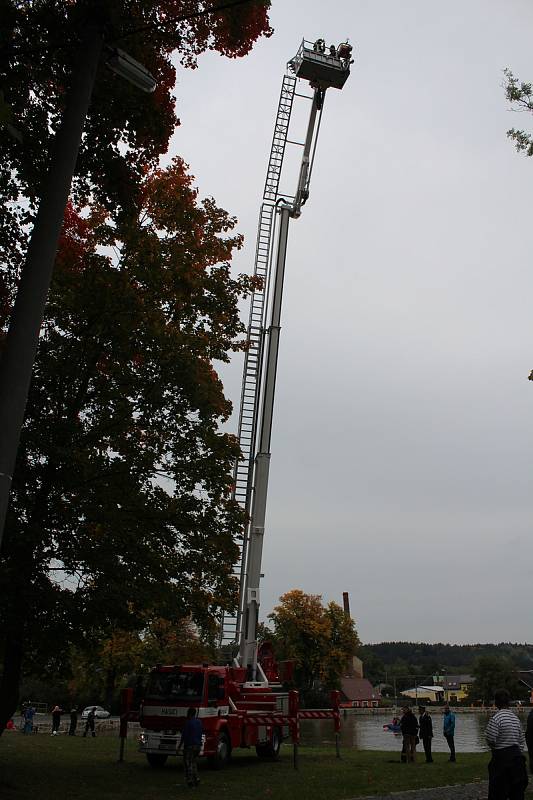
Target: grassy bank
(50, 767)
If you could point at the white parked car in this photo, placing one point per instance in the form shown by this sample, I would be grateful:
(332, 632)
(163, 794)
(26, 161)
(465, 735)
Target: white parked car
(100, 712)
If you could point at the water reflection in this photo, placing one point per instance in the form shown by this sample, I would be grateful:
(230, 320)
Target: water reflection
(365, 732)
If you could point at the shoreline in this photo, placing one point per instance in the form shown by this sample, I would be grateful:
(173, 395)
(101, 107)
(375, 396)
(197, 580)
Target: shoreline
(395, 710)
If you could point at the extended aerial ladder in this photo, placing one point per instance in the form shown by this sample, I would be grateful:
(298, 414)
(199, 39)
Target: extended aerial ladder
(238, 705)
(322, 69)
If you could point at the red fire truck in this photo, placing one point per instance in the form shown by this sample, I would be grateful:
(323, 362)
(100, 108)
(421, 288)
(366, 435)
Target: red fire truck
(234, 712)
(227, 705)
(243, 705)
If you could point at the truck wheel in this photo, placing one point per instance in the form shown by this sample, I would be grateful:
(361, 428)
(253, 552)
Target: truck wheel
(156, 759)
(271, 749)
(223, 753)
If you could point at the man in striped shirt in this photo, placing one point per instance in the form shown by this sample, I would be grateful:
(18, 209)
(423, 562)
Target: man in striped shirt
(507, 767)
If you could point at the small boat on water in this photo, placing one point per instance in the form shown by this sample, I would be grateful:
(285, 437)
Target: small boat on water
(394, 726)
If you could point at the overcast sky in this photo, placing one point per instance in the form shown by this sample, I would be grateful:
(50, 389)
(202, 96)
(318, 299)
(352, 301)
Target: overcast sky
(402, 444)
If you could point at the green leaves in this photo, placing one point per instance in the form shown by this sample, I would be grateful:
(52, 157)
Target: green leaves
(492, 673)
(121, 493)
(120, 497)
(521, 95)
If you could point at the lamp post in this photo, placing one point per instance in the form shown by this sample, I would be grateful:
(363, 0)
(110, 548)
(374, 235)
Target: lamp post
(27, 314)
(445, 684)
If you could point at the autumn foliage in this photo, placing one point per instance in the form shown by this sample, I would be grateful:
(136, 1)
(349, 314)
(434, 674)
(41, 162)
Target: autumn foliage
(124, 658)
(121, 498)
(320, 639)
(126, 130)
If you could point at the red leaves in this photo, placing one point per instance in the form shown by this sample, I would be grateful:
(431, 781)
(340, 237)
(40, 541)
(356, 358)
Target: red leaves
(125, 130)
(236, 30)
(73, 246)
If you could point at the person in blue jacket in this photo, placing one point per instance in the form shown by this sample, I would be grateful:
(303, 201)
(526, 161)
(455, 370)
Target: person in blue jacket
(191, 741)
(28, 715)
(449, 730)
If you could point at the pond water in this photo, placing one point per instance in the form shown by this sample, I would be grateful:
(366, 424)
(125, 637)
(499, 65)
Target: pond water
(365, 732)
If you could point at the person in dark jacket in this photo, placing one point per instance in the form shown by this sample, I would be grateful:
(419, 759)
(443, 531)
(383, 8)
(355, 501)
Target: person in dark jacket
(191, 741)
(56, 719)
(89, 722)
(529, 739)
(426, 732)
(73, 721)
(409, 728)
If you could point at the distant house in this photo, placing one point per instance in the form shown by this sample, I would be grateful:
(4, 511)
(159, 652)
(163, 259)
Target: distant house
(358, 693)
(426, 694)
(455, 686)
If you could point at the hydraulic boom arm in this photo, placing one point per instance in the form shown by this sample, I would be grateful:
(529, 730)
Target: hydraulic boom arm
(322, 70)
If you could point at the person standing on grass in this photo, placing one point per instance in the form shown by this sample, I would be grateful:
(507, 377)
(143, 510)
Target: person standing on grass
(73, 721)
(191, 741)
(27, 716)
(409, 728)
(56, 719)
(89, 722)
(505, 737)
(426, 732)
(448, 730)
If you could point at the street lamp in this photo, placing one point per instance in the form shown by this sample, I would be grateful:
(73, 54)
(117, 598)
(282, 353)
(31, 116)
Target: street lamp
(25, 323)
(134, 72)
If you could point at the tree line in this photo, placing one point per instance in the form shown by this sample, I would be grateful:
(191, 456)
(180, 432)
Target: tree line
(493, 666)
(434, 658)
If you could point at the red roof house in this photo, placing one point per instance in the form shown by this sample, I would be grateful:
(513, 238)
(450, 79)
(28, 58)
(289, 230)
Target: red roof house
(358, 693)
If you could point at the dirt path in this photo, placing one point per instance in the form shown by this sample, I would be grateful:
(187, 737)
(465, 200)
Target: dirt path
(467, 791)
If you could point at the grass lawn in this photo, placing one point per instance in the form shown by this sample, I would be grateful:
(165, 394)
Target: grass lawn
(47, 767)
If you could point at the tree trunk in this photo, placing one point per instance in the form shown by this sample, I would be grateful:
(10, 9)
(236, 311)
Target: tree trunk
(111, 678)
(10, 682)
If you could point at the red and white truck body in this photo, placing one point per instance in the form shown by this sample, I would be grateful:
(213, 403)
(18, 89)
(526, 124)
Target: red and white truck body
(234, 712)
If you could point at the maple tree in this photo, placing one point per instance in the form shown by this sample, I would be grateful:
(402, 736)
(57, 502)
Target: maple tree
(121, 494)
(126, 131)
(121, 498)
(321, 639)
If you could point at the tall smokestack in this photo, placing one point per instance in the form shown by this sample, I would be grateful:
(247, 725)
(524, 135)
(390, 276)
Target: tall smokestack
(346, 603)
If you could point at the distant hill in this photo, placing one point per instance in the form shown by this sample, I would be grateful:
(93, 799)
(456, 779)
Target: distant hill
(419, 658)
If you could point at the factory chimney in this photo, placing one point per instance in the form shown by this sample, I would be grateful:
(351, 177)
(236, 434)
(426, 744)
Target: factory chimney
(355, 669)
(346, 603)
